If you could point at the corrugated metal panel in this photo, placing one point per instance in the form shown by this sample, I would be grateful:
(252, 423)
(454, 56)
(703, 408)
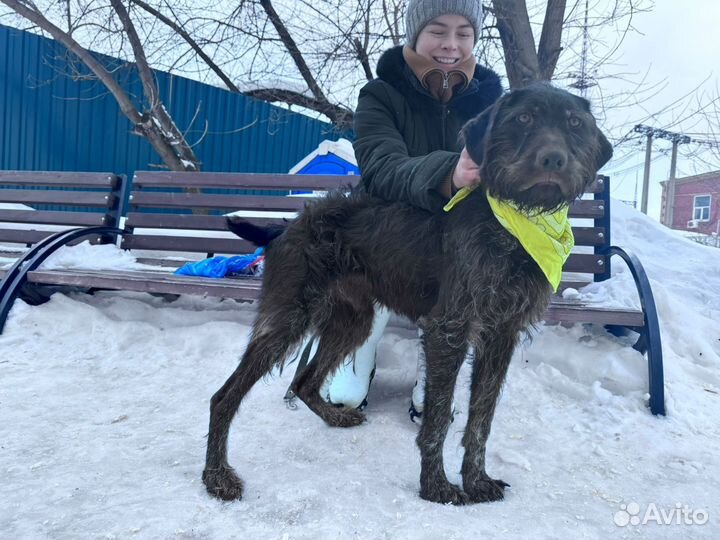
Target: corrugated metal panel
(50, 122)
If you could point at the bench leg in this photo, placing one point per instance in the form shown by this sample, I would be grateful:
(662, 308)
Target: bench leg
(655, 372)
(649, 342)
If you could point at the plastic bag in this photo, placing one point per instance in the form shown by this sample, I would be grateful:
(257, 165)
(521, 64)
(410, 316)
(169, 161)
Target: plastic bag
(217, 267)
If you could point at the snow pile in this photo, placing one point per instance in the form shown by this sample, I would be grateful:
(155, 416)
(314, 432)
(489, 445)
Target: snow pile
(104, 408)
(92, 257)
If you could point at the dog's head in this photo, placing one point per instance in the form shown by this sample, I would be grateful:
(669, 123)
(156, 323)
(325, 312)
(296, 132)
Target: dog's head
(538, 147)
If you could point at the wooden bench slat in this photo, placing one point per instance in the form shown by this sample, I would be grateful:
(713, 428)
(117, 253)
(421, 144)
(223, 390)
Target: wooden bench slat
(59, 178)
(585, 263)
(45, 217)
(158, 199)
(231, 246)
(598, 185)
(57, 197)
(283, 182)
(19, 236)
(219, 202)
(249, 289)
(589, 236)
(188, 221)
(577, 262)
(587, 208)
(150, 282)
(263, 181)
(584, 236)
(23, 236)
(583, 313)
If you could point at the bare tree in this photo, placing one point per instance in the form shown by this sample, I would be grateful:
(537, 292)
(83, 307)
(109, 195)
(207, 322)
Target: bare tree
(315, 54)
(311, 54)
(153, 122)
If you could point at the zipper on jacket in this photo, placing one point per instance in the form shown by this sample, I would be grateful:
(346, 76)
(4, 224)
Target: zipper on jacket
(446, 81)
(443, 122)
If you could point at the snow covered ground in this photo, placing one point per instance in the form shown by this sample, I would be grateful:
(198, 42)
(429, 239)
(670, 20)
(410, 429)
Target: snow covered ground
(104, 408)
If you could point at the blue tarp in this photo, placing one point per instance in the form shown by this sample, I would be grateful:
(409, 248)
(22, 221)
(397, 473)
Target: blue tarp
(218, 267)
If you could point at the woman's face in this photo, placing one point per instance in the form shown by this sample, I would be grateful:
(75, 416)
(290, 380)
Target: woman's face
(447, 40)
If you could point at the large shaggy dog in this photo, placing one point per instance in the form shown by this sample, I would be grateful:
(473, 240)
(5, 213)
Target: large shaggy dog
(460, 275)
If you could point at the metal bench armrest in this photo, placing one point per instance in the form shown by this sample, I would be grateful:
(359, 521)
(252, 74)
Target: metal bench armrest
(650, 340)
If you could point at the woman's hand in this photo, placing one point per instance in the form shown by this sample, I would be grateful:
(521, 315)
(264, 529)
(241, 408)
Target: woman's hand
(466, 173)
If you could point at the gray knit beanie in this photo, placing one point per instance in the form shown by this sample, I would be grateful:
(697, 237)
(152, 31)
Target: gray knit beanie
(421, 12)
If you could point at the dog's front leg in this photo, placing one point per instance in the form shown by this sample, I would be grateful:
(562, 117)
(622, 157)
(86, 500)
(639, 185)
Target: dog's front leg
(445, 351)
(492, 357)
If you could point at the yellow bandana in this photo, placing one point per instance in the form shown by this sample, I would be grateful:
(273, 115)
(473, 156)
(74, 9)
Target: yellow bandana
(547, 238)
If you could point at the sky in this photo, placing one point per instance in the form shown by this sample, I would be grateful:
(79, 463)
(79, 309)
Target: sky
(678, 46)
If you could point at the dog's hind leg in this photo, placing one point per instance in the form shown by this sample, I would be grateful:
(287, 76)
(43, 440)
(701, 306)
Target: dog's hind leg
(273, 336)
(493, 351)
(344, 323)
(445, 349)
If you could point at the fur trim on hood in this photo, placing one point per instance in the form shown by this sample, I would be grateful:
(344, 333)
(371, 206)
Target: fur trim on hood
(484, 88)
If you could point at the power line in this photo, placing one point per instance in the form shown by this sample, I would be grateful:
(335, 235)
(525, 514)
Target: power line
(656, 133)
(676, 138)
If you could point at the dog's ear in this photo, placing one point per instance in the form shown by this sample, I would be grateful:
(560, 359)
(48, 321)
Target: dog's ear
(604, 151)
(476, 130)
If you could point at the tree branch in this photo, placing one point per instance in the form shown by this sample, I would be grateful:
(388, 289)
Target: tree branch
(126, 105)
(363, 57)
(190, 41)
(146, 76)
(513, 23)
(143, 123)
(292, 48)
(184, 158)
(549, 49)
(340, 116)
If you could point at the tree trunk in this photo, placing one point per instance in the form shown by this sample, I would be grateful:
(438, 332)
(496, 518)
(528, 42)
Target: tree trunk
(523, 63)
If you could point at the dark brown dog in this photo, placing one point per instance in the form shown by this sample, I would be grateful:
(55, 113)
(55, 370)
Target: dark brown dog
(461, 275)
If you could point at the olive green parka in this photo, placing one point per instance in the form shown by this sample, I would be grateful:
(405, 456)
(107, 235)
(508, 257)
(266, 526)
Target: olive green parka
(406, 141)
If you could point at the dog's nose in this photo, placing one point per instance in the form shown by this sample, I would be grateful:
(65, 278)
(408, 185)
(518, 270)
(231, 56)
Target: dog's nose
(552, 160)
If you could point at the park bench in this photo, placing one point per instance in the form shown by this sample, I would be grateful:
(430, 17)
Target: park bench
(43, 209)
(35, 205)
(171, 213)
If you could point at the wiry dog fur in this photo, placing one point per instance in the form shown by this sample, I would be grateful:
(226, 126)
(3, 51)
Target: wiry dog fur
(465, 279)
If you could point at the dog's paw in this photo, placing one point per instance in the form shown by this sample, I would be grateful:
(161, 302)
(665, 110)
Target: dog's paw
(343, 417)
(486, 490)
(445, 493)
(223, 483)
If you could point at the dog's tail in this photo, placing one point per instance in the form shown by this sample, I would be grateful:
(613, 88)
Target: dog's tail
(260, 236)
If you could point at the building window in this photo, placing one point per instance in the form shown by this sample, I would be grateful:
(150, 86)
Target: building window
(701, 208)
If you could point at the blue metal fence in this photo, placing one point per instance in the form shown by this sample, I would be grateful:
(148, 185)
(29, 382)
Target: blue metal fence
(49, 121)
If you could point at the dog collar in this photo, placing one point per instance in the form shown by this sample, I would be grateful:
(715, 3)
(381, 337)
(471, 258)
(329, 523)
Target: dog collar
(547, 238)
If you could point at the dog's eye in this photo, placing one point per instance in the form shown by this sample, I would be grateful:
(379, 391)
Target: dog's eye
(574, 121)
(524, 118)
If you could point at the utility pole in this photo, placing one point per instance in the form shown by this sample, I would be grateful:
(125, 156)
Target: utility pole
(582, 80)
(670, 199)
(646, 175)
(676, 139)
